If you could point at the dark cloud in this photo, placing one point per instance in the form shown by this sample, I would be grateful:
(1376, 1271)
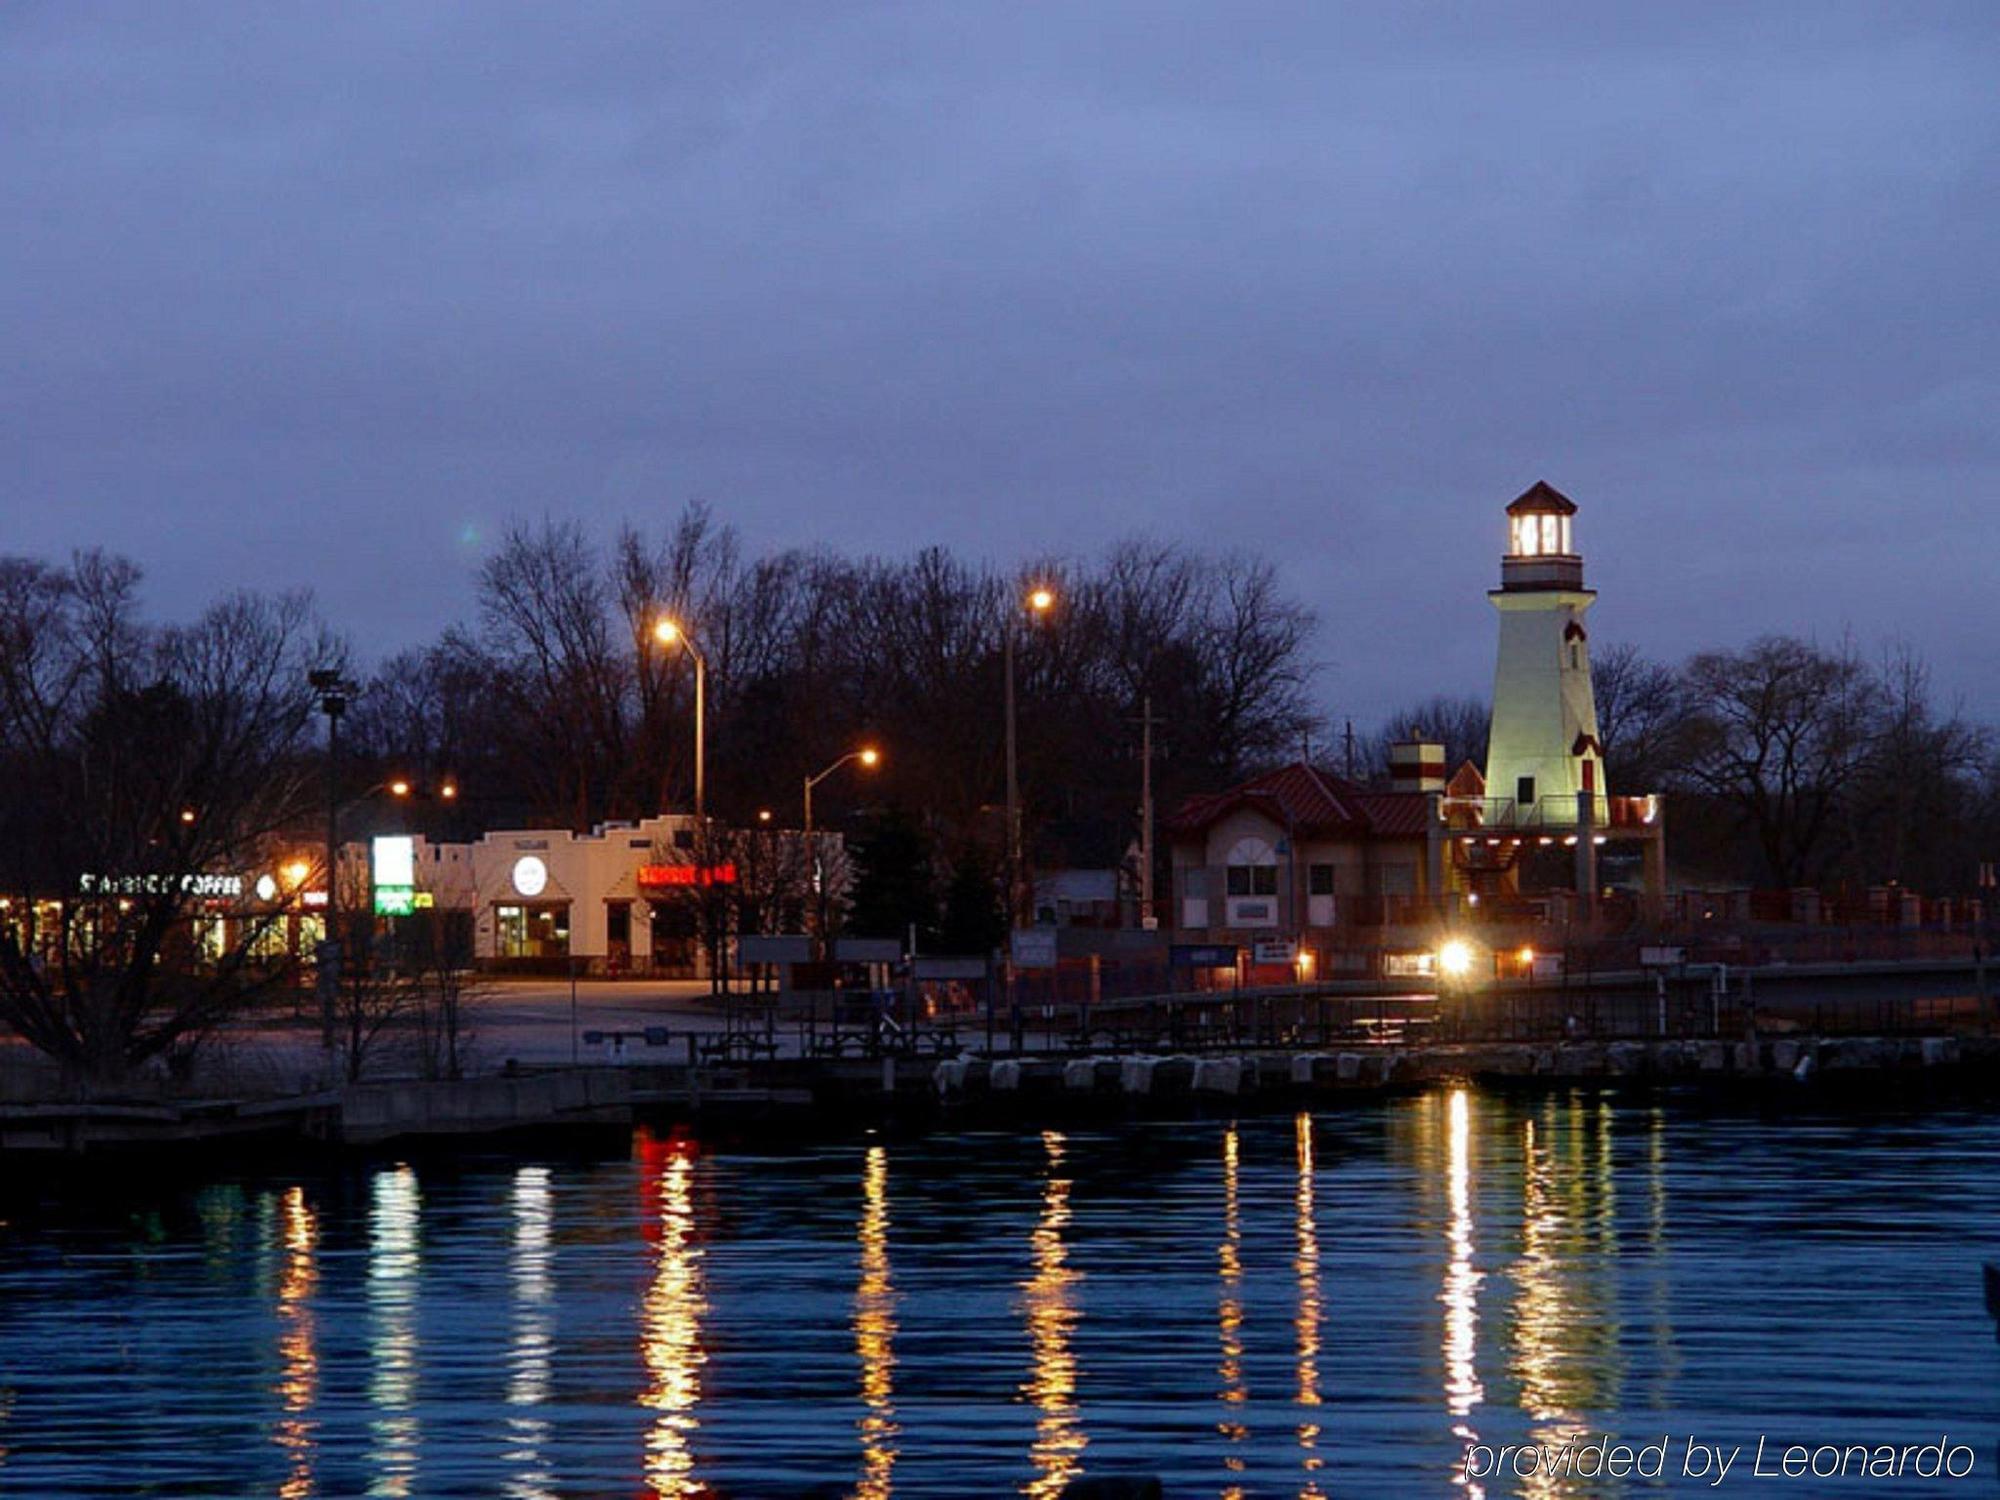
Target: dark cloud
(327, 294)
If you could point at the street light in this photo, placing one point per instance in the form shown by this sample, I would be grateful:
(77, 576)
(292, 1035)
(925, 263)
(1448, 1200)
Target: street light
(870, 757)
(668, 632)
(1040, 600)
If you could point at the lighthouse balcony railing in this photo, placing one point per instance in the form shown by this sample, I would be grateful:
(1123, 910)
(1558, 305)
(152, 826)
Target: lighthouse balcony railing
(1492, 817)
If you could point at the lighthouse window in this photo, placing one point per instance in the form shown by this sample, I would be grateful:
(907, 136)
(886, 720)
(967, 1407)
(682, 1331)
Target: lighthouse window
(1551, 533)
(1524, 791)
(1525, 536)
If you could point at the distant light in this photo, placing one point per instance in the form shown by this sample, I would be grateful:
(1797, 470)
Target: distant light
(1527, 957)
(399, 788)
(763, 815)
(1042, 600)
(449, 790)
(667, 632)
(187, 815)
(870, 756)
(296, 872)
(267, 888)
(1455, 959)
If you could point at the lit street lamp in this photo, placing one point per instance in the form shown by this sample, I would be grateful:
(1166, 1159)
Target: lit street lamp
(1039, 602)
(669, 633)
(870, 757)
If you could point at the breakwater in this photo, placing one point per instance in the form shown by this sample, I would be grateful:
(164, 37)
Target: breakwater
(1030, 1091)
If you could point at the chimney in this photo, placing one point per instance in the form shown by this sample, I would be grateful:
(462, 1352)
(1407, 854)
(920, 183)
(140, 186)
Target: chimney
(1416, 766)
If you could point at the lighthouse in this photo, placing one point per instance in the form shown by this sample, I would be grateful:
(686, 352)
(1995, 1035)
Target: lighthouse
(1544, 763)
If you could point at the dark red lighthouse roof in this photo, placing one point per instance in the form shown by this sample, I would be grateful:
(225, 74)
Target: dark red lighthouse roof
(1542, 499)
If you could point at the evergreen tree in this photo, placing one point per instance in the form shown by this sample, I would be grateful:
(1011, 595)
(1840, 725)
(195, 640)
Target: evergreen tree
(975, 918)
(895, 884)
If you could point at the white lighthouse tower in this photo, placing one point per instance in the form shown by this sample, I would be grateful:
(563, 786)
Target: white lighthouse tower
(1543, 758)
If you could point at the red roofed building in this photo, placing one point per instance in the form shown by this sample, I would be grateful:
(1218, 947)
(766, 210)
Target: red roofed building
(1305, 858)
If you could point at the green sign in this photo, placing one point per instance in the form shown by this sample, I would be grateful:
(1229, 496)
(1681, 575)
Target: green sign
(394, 900)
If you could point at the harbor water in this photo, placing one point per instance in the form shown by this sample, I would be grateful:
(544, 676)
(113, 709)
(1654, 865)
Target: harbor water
(1341, 1303)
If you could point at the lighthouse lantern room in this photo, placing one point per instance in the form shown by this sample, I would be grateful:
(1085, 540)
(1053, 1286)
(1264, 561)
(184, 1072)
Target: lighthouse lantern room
(1544, 763)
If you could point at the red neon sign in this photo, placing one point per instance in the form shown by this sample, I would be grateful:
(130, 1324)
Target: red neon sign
(664, 876)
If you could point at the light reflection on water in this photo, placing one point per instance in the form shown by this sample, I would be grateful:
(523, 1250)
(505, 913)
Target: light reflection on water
(672, 1334)
(1049, 1297)
(1319, 1305)
(875, 1331)
(395, 1218)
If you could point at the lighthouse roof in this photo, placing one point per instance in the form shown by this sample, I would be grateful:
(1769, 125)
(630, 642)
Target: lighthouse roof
(1542, 499)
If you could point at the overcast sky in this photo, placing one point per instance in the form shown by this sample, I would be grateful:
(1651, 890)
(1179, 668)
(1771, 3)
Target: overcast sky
(328, 294)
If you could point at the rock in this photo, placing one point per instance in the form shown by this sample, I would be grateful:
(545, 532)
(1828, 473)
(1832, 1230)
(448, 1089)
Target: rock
(1627, 1059)
(949, 1075)
(1746, 1058)
(1006, 1075)
(1218, 1075)
(1136, 1074)
(1080, 1074)
(1714, 1057)
(1785, 1056)
(1348, 1067)
(1302, 1067)
(1940, 1051)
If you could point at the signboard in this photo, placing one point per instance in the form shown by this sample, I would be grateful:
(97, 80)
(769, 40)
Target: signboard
(1279, 951)
(393, 863)
(667, 877)
(1203, 955)
(773, 948)
(948, 968)
(160, 885)
(395, 860)
(858, 950)
(1662, 958)
(394, 900)
(1034, 947)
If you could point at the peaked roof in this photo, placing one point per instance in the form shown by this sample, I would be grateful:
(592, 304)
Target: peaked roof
(1312, 801)
(1542, 498)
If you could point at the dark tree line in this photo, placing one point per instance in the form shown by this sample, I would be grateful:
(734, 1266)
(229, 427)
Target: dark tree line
(560, 705)
(1789, 763)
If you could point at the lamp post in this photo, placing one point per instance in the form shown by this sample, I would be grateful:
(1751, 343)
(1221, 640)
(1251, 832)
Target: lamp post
(1038, 603)
(869, 756)
(670, 633)
(334, 691)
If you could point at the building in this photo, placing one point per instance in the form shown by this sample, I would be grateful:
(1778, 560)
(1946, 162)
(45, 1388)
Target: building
(627, 897)
(1304, 870)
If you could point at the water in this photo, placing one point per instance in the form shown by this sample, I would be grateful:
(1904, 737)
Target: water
(1333, 1305)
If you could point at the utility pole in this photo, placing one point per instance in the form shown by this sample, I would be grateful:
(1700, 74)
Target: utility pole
(1350, 749)
(1146, 722)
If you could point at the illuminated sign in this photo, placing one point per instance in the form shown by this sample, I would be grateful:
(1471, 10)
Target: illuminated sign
(396, 860)
(160, 885)
(667, 877)
(267, 888)
(394, 900)
(531, 876)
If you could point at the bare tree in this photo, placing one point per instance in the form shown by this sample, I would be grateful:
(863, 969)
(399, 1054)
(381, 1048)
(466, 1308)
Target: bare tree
(1780, 733)
(145, 769)
(1642, 716)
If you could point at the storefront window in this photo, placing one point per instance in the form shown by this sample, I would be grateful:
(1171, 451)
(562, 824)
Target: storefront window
(533, 931)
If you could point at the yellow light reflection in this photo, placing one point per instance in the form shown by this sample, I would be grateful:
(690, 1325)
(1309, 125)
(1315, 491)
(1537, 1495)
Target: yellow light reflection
(1229, 1313)
(298, 1356)
(393, 1261)
(1462, 1389)
(1306, 1263)
(531, 1362)
(875, 1331)
(1052, 1317)
(672, 1336)
(1543, 1325)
